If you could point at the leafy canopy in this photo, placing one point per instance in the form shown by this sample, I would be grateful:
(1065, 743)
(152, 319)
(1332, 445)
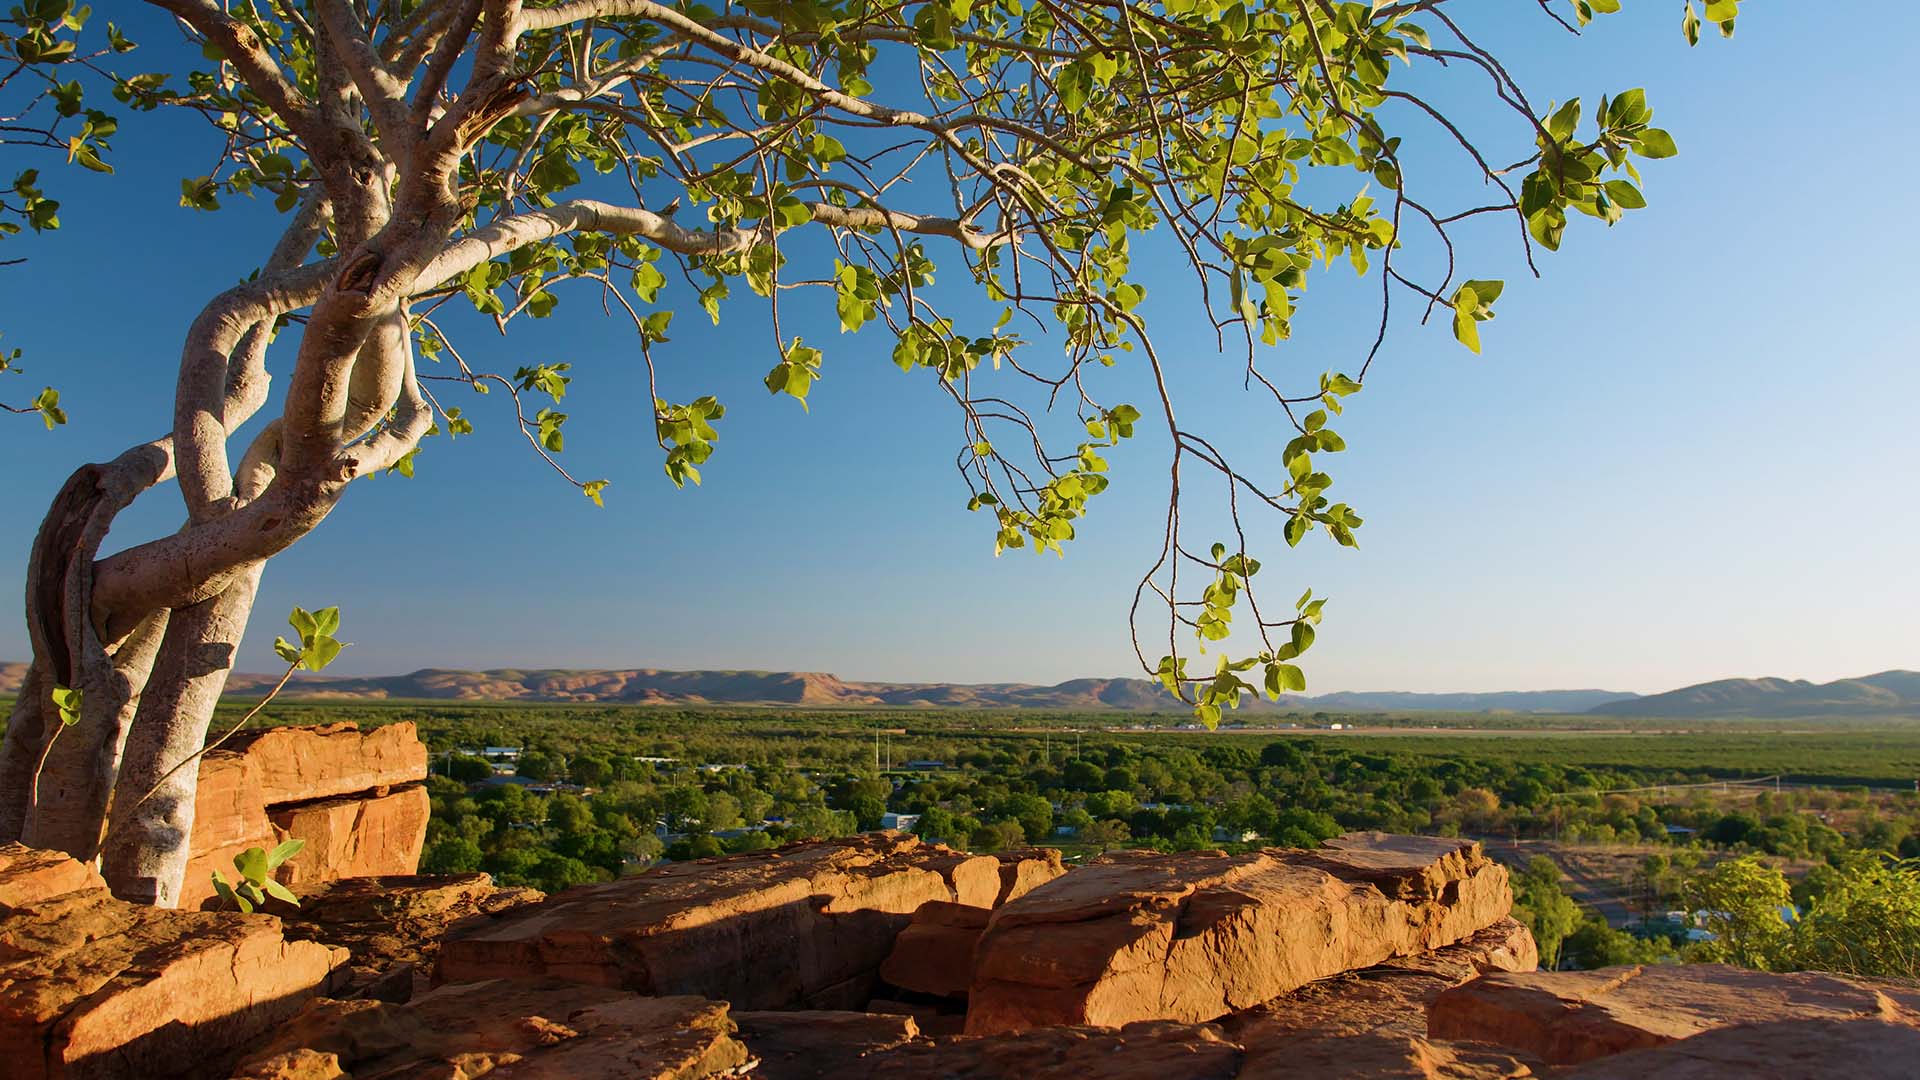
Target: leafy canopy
(662, 156)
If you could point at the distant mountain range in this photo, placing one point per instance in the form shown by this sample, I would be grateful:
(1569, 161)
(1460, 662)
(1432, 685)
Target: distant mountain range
(1890, 693)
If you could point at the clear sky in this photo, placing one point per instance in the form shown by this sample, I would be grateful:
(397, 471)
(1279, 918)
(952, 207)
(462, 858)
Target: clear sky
(1689, 452)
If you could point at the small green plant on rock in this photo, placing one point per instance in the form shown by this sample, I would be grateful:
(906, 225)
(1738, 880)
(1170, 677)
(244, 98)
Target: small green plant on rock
(256, 883)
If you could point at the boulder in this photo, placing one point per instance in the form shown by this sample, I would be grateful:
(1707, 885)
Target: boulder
(934, 954)
(91, 986)
(391, 926)
(377, 833)
(560, 1031)
(819, 1045)
(1387, 999)
(1569, 1017)
(1196, 935)
(1789, 1050)
(354, 796)
(1025, 870)
(806, 925)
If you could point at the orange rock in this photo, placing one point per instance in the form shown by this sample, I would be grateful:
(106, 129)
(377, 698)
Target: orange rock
(1025, 870)
(1789, 1050)
(1196, 935)
(818, 1045)
(298, 764)
(560, 1031)
(353, 796)
(381, 833)
(91, 986)
(392, 926)
(1146, 1051)
(807, 924)
(1390, 998)
(30, 875)
(1568, 1017)
(934, 954)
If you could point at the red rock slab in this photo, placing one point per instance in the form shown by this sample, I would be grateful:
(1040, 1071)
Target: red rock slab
(300, 764)
(91, 986)
(1025, 870)
(1152, 1050)
(1569, 1017)
(820, 1044)
(507, 1030)
(392, 925)
(804, 925)
(1789, 1050)
(379, 833)
(1196, 935)
(934, 954)
(1380, 1055)
(1389, 999)
(267, 784)
(30, 875)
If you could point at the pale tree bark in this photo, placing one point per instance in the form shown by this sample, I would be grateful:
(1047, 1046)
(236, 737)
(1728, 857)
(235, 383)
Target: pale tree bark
(150, 634)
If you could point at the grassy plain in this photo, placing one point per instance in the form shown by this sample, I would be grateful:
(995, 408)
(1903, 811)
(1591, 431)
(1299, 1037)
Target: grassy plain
(1823, 752)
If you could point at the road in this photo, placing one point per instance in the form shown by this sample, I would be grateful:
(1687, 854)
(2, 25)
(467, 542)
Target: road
(1599, 896)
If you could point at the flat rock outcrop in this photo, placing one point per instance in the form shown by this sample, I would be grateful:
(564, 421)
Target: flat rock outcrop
(806, 925)
(1387, 999)
(1025, 870)
(819, 1045)
(934, 954)
(354, 796)
(391, 926)
(1197, 935)
(91, 986)
(562, 1031)
(1788, 1050)
(1569, 1017)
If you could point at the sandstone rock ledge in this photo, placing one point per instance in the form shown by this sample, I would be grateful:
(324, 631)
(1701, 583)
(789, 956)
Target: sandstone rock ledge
(806, 925)
(1569, 1017)
(354, 796)
(1197, 935)
(92, 987)
(506, 1029)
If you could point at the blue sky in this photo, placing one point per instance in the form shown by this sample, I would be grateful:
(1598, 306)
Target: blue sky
(1688, 452)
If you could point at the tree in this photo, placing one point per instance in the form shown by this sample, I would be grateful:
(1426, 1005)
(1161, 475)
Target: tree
(1546, 909)
(502, 155)
(1105, 834)
(1743, 903)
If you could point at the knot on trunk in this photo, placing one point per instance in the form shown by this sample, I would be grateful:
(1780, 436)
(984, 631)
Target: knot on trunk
(359, 275)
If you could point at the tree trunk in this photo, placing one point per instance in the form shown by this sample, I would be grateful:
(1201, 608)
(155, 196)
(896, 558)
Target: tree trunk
(62, 803)
(145, 857)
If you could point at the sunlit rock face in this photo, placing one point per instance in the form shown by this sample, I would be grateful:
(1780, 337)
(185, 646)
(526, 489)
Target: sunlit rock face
(1197, 935)
(356, 798)
(92, 986)
(807, 925)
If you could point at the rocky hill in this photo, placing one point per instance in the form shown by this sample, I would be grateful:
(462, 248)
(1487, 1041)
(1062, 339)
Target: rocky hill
(651, 686)
(1890, 693)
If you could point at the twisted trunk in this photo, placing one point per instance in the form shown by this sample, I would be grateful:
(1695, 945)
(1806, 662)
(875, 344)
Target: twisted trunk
(149, 842)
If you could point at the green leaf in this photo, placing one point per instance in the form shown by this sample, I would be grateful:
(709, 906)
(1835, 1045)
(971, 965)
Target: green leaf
(286, 849)
(1466, 328)
(1565, 120)
(67, 700)
(303, 622)
(1655, 143)
(252, 864)
(280, 892)
(286, 650)
(322, 652)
